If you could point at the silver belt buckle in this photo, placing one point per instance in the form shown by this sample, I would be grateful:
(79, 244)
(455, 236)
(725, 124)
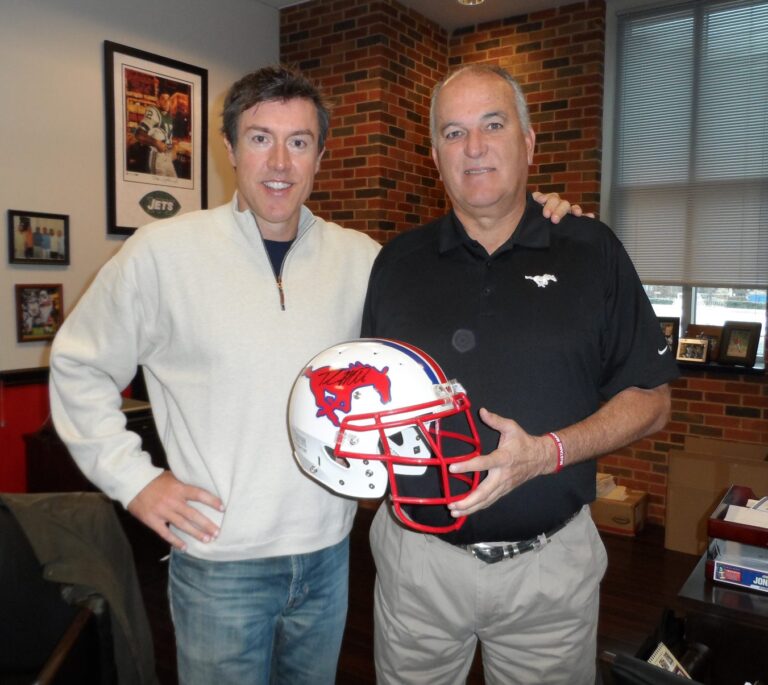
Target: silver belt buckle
(479, 547)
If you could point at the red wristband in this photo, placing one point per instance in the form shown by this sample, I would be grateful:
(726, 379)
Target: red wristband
(560, 451)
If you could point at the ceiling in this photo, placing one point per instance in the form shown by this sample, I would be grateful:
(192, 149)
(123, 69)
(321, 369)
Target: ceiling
(451, 15)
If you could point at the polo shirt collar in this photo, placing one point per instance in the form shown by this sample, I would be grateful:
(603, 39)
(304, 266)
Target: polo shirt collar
(533, 231)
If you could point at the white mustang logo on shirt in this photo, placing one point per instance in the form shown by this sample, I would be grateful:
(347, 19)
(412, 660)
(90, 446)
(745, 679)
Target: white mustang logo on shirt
(542, 280)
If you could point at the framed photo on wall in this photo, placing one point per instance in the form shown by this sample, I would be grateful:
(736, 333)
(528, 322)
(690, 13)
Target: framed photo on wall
(37, 238)
(39, 311)
(670, 327)
(157, 137)
(693, 350)
(739, 343)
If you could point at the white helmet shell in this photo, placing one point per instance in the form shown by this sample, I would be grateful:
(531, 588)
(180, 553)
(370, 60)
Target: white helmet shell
(366, 411)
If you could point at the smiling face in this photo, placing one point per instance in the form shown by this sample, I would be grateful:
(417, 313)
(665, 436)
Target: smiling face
(275, 159)
(481, 150)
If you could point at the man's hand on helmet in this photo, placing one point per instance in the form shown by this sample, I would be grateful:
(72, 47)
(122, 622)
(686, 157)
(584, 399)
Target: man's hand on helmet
(518, 458)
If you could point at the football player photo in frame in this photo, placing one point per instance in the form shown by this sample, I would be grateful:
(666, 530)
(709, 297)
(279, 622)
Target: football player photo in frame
(739, 343)
(39, 311)
(670, 327)
(157, 137)
(693, 350)
(38, 238)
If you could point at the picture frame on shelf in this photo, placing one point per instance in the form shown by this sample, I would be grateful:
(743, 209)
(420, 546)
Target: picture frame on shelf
(713, 334)
(670, 328)
(739, 342)
(157, 137)
(38, 238)
(39, 311)
(692, 350)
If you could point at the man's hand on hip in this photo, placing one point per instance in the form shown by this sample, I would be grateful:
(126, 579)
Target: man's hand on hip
(165, 502)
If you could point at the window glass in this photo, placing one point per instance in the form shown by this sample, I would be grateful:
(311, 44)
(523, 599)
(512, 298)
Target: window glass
(715, 306)
(667, 300)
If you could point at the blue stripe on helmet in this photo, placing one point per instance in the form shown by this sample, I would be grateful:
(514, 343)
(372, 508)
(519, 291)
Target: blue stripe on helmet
(415, 356)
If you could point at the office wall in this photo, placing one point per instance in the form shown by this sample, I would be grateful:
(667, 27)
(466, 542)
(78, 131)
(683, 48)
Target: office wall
(52, 151)
(52, 146)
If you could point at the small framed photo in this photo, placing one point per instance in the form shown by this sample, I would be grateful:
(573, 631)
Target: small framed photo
(711, 333)
(739, 343)
(670, 327)
(39, 311)
(37, 237)
(692, 350)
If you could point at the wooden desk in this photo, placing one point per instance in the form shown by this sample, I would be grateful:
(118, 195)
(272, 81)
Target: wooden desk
(732, 622)
(50, 468)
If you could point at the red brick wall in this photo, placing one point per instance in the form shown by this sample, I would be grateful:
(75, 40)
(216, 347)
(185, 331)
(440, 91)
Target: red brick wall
(379, 61)
(720, 405)
(557, 56)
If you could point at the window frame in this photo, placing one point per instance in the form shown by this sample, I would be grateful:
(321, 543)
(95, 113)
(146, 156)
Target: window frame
(613, 9)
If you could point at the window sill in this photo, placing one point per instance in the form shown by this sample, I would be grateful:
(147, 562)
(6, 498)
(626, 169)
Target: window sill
(729, 369)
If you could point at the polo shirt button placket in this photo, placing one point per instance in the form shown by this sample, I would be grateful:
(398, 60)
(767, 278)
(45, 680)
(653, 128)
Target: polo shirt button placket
(487, 289)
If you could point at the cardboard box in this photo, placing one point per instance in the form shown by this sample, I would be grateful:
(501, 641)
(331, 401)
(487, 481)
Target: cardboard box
(698, 477)
(623, 517)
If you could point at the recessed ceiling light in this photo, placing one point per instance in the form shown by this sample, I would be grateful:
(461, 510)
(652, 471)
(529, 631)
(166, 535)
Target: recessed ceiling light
(471, 2)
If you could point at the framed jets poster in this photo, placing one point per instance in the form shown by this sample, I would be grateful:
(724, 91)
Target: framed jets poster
(157, 135)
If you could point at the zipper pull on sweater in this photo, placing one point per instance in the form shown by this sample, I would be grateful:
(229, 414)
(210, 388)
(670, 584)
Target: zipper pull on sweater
(281, 291)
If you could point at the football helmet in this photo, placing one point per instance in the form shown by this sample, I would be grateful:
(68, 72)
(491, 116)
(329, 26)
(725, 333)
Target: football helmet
(366, 414)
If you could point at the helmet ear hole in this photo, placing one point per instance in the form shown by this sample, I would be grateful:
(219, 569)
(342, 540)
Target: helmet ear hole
(339, 460)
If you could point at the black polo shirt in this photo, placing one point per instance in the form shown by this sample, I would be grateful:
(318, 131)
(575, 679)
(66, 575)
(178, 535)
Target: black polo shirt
(542, 331)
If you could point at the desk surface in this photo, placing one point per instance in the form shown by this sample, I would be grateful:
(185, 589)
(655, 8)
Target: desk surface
(700, 594)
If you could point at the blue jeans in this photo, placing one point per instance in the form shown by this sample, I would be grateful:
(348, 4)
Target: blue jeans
(269, 621)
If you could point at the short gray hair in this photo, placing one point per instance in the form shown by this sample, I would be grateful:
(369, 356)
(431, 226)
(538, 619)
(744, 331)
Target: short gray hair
(520, 103)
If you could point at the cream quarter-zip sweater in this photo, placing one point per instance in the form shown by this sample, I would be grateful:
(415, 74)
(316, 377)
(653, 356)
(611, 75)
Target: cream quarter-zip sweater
(194, 300)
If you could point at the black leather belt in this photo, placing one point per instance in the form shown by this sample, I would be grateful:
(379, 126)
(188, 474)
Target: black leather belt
(491, 553)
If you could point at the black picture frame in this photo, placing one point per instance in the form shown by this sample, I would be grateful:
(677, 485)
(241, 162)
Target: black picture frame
(156, 137)
(38, 238)
(739, 342)
(670, 329)
(39, 311)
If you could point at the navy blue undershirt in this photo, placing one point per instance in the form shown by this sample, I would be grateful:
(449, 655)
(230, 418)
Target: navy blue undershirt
(277, 249)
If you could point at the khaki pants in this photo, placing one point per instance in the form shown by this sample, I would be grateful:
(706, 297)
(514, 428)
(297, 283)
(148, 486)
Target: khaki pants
(535, 615)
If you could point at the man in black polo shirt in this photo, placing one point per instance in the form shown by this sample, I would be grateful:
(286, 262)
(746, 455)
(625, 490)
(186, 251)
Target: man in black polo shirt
(548, 327)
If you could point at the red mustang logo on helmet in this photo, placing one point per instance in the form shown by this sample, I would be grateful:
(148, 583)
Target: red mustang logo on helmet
(333, 388)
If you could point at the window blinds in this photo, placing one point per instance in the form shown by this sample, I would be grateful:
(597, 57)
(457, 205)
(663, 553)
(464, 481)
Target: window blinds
(690, 173)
